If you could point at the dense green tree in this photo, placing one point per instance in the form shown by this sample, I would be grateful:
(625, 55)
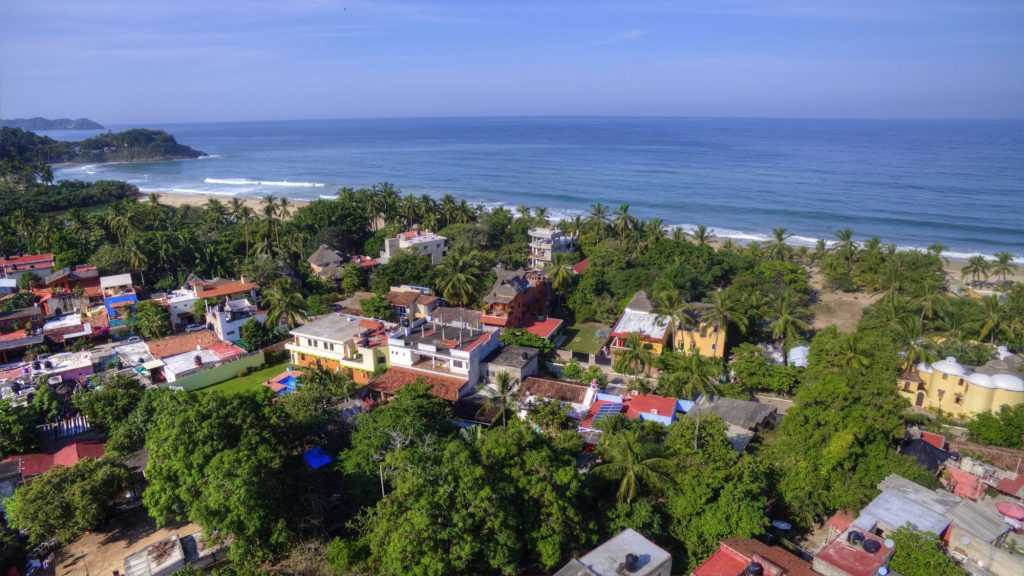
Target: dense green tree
(150, 320)
(47, 404)
(919, 554)
(257, 335)
(111, 403)
(634, 464)
(17, 429)
(754, 371)
(457, 278)
(377, 306)
(403, 268)
(66, 501)
(284, 304)
(1002, 428)
(520, 337)
(218, 460)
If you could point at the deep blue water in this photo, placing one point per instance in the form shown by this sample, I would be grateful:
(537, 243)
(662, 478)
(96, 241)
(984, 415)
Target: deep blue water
(909, 182)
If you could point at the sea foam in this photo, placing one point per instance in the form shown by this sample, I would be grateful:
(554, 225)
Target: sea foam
(249, 182)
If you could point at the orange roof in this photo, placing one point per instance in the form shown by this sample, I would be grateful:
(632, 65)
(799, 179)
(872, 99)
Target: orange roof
(12, 336)
(444, 387)
(224, 288)
(965, 484)
(581, 266)
(35, 464)
(26, 259)
(840, 521)
(735, 554)
(545, 328)
(181, 343)
(936, 440)
(649, 404)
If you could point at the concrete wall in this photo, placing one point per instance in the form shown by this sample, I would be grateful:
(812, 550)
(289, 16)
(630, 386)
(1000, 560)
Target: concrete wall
(219, 374)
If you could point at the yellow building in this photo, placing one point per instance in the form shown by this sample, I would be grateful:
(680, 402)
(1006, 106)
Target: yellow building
(961, 390)
(639, 318)
(706, 338)
(350, 344)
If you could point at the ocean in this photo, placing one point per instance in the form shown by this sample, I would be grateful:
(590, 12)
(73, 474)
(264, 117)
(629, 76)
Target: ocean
(911, 183)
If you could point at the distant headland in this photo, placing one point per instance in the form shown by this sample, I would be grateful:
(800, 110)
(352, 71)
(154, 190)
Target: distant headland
(136, 145)
(40, 123)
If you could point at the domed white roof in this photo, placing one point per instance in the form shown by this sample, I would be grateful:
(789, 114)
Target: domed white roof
(950, 366)
(924, 367)
(1008, 382)
(980, 379)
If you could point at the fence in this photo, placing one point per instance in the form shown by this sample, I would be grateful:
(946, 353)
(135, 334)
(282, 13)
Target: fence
(218, 374)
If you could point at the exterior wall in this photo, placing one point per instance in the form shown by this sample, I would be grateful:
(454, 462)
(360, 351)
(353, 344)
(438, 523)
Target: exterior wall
(218, 374)
(360, 363)
(436, 249)
(181, 307)
(231, 331)
(955, 395)
(709, 341)
(491, 371)
(618, 344)
(996, 561)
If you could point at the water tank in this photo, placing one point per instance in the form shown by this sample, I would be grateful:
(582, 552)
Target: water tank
(854, 537)
(754, 569)
(872, 546)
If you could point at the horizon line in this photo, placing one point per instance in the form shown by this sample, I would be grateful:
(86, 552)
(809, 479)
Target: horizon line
(581, 117)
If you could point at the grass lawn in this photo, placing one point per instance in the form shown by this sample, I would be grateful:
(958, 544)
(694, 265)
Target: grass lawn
(587, 337)
(247, 383)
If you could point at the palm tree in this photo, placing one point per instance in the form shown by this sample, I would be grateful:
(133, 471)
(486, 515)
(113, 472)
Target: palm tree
(336, 383)
(560, 274)
(284, 302)
(724, 311)
(670, 305)
(623, 221)
(790, 320)
(458, 275)
(653, 231)
(777, 248)
(636, 358)
(845, 246)
(931, 298)
(701, 235)
(1003, 265)
(505, 394)
(976, 267)
(137, 258)
(634, 463)
(916, 348)
(694, 376)
(993, 321)
(937, 249)
(541, 214)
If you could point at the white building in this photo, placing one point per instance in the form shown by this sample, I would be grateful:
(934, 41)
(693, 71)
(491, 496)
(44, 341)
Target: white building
(626, 553)
(227, 317)
(181, 303)
(545, 243)
(424, 242)
(451, 352)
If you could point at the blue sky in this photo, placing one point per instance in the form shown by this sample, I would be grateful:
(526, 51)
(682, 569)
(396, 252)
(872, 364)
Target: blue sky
(187, 60)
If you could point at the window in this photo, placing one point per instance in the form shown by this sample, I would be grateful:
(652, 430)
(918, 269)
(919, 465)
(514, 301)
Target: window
(958, 399)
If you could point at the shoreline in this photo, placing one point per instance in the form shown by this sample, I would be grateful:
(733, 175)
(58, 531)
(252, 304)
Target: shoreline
(951, 264)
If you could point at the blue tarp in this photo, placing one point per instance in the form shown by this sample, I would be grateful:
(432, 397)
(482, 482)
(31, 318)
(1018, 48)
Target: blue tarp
(316, 458)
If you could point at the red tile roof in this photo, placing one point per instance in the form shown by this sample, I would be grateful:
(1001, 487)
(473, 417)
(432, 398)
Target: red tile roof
(180, 343)
(35, 464)
(649, 404)
(735, 554)
(545, 328)
(552, 389)
(396, 378)
(26, 259)
(12, 336)
(840, 521)
(854, 560)
(1014, 487)
(226, 350)
(936, 440)
(224, 288)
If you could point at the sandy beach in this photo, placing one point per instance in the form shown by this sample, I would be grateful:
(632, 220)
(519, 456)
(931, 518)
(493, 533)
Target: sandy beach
(179, 200)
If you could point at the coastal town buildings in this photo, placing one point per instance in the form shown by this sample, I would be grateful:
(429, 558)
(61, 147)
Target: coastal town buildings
(412, 302)
(119, 299)
(628, 552)
(516, 298)
(226, 317)
(961, 390)
(423, 242)
(745, 556)
(449, 358)
(327, 263)
(181, 303)
(639, 318)
(37, 264)
(700, 336)
(545, 244)
(519, 362)
(342, 343)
